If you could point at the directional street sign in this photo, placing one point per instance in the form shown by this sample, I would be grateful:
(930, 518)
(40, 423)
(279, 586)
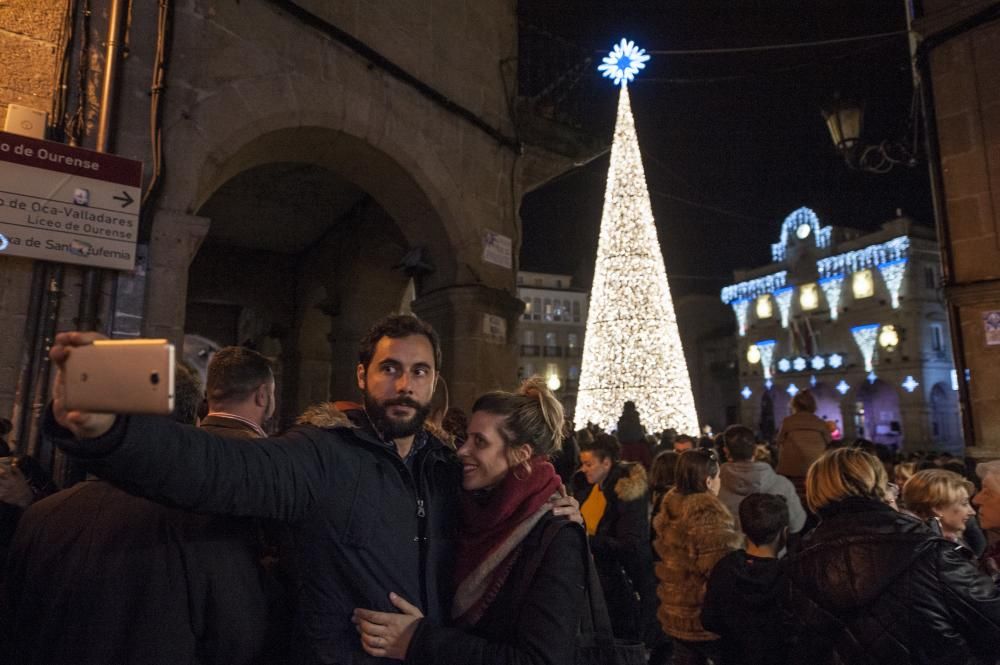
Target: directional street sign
(65, 204)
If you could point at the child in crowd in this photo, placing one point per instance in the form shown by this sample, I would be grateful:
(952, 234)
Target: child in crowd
(743, 602)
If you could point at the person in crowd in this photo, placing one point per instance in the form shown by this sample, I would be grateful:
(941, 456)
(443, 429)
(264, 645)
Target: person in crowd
(902, 472)
(744, 599)
(943, 497)
(99, 576)
(239, 391)
(666, 441)
(873, 585)
(518, 597)
(694, 531)
(742, 477)
(23, 481)
(987, 500)
(632, 436)
(614, 501)
(566, 459)
(683, 442)
(5, 428)
(802, 439)
(662, 476)
(346, 469)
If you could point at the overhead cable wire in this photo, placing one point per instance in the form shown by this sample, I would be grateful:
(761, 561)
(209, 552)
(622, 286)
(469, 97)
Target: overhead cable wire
(774, 47)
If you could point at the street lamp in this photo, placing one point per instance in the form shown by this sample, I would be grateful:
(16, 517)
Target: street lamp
(845, 120)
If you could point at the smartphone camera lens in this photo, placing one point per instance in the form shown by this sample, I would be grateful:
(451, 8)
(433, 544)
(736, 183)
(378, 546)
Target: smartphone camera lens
(154, 378)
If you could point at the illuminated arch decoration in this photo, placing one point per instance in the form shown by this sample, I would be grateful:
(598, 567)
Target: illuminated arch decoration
(784, 299)
(801, 217)
(865, 337)
(752, 288)
(623, 62)
(866, 257)
(766, 348)
(741, 307)
(832, 287)
(892, 273)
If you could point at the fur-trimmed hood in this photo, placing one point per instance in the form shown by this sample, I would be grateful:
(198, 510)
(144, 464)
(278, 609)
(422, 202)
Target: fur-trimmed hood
(351, 415)
(630, 481)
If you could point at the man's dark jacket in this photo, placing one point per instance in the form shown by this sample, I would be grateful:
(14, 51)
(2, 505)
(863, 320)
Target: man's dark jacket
(363, 524)
(872, 585)
(98, 576)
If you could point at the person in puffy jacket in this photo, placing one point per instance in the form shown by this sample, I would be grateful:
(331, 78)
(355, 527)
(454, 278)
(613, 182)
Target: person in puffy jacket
(873, 585)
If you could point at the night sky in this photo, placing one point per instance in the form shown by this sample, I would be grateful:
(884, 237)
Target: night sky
(731, 143)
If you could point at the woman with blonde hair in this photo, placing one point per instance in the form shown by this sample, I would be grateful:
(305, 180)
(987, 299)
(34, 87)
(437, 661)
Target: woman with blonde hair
(941, 496)
(874, 585)
(511, 604)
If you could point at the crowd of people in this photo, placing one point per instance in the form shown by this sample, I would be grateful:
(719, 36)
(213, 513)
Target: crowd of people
(380, 530)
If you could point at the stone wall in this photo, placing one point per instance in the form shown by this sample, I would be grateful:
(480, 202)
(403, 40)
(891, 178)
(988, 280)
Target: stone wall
(966, 82)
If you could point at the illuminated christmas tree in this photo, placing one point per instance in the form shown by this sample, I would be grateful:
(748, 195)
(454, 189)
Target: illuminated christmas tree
(632, 350)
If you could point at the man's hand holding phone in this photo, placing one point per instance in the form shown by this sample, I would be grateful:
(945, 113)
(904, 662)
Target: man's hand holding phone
(83, 424)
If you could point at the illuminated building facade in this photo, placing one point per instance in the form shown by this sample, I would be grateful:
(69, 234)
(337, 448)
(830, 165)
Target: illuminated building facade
(859, 320)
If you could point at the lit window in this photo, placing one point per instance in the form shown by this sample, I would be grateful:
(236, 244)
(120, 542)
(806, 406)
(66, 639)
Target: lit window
(808, 297)
(551, 339)
(548, 310)
(571, 340)
(863, 284)
(765, 309)
(527, 309)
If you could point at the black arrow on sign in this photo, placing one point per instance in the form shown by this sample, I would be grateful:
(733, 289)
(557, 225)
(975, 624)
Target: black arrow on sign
(124, 198)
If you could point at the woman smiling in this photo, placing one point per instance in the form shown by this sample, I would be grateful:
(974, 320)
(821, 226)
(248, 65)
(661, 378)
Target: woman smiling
(505, 610)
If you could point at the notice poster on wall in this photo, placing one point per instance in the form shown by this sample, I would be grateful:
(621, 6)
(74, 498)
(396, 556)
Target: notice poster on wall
(991, 326)
(498, 250)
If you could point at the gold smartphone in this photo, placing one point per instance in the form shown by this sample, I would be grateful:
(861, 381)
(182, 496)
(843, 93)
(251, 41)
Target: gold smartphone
(121, 376)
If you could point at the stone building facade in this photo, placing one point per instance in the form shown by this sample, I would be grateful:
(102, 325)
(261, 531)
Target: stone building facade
(858, 319)
(320, 160)
(551, 332)
(959, 60)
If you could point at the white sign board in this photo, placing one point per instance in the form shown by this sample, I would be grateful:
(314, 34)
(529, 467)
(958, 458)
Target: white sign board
(495, 328)
(68, 205)
(497, 249)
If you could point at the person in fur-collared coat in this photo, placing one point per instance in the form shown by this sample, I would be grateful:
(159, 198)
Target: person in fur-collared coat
(693, 531)
(614, 499)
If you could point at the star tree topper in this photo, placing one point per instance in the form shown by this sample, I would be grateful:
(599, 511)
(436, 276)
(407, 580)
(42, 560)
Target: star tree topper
(623, 62)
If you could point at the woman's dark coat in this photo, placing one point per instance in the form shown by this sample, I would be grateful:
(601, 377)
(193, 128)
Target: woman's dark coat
(872, 585)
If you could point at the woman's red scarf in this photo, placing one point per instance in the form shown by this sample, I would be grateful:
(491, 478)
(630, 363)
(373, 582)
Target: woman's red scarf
(492, 531)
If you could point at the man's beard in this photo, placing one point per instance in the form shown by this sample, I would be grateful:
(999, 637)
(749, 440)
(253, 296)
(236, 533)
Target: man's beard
(390, 428)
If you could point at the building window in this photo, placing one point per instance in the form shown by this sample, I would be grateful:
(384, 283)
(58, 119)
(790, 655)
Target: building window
(536, 309)
(571, 340)
(930, 278)
(557, 311)
(527, 310)
(529, 337)
(863, 284)
(576, 311)
(937, 337)
(558, 283)
(551, 339)
(574, 372)
(808, 297)
(528, 369)
(765, 309)
(549, 310)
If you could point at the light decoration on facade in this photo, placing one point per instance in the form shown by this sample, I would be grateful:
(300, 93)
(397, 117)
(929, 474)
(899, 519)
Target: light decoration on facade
(892, 275)
(784, 299)
(872, 377)
(832, 286)
(632, 350)
(746, 392)
(842, 387)
(910, 384)
(801, 222)
(784, 365)
(768, 383)
(808, 297)
(623, 62)
(865, 337)
(866, 257)
(799, 364)
(812, 381)
(835, 361)
(792, 389)
(766, 348)
(741, 307)
(954, 379)
(754, 287)
(818, 363)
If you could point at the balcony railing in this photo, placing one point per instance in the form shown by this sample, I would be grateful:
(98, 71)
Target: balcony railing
(553, 352)
(530, 350)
